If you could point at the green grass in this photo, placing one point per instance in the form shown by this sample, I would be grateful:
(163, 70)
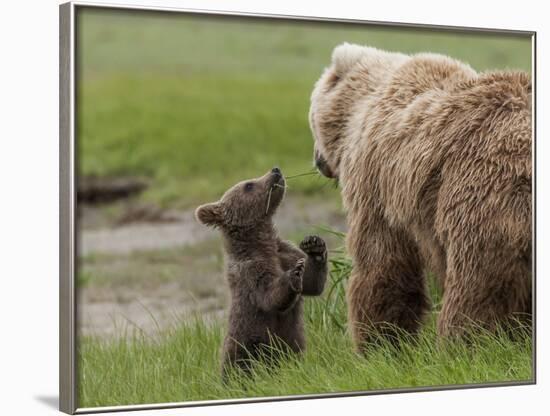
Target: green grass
(198, 103)
(191, 143)
(182, 364)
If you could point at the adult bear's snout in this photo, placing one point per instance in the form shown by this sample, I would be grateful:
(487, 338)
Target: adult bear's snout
(322, 166)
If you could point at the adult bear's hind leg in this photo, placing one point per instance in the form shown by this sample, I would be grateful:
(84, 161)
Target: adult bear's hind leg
(386, 288)
(488, 286)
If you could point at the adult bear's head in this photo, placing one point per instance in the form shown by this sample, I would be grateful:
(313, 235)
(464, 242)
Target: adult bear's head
(355, 72)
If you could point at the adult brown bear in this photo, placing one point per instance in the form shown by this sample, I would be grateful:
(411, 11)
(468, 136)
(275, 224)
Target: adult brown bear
(434, 163)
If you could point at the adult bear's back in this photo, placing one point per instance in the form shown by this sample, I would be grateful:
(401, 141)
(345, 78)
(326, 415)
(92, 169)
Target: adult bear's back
(487, 169)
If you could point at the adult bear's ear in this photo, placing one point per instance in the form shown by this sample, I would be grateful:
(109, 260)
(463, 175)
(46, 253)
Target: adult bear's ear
(346, 56)
(210, 214)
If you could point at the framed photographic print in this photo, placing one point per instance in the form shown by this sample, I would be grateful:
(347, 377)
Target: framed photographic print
(261, 207)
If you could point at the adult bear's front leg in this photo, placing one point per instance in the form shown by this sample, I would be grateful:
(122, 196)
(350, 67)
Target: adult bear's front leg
(386, 290)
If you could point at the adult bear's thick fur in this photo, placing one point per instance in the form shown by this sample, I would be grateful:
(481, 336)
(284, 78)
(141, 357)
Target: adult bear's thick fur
(434, 162)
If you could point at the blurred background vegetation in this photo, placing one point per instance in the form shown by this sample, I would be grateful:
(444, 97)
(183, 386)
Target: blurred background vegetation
(196, 103)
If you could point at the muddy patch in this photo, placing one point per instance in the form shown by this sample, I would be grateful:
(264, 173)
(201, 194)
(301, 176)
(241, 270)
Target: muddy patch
(101, 190)
(106, 313)
(179, 228)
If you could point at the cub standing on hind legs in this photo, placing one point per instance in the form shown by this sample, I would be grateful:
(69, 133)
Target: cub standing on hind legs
(267, 276)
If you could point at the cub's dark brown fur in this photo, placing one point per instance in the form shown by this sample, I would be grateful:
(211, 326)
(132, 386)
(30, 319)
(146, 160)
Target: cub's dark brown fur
(267, 276)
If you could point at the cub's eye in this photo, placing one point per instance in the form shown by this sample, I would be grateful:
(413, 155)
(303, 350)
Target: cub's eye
(248, 186)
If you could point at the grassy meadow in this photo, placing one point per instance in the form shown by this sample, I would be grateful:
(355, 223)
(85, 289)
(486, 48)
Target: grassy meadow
(197, 103)
(183, 363)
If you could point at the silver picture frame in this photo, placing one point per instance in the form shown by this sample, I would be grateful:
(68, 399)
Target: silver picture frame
(68, 400)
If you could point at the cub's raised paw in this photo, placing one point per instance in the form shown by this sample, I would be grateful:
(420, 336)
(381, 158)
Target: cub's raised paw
(296, 275)
(314, 246)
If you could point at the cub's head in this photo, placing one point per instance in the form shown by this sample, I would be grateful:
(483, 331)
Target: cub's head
(246, 204)
(355, 72)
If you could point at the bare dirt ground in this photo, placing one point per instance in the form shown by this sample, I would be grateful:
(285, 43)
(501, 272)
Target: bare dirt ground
(145, 270)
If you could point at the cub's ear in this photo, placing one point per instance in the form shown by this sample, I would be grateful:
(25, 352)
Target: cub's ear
(210, 214)
(346, 56)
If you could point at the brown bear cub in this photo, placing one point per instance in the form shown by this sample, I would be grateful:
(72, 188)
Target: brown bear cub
(267, 276)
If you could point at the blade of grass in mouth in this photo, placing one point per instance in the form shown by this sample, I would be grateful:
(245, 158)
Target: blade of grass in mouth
(302, 174)
(268, 201)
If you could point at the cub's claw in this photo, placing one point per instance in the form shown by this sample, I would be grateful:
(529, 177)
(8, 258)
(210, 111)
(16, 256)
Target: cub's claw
(297, 274)
(314, 246)
(300, 267)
